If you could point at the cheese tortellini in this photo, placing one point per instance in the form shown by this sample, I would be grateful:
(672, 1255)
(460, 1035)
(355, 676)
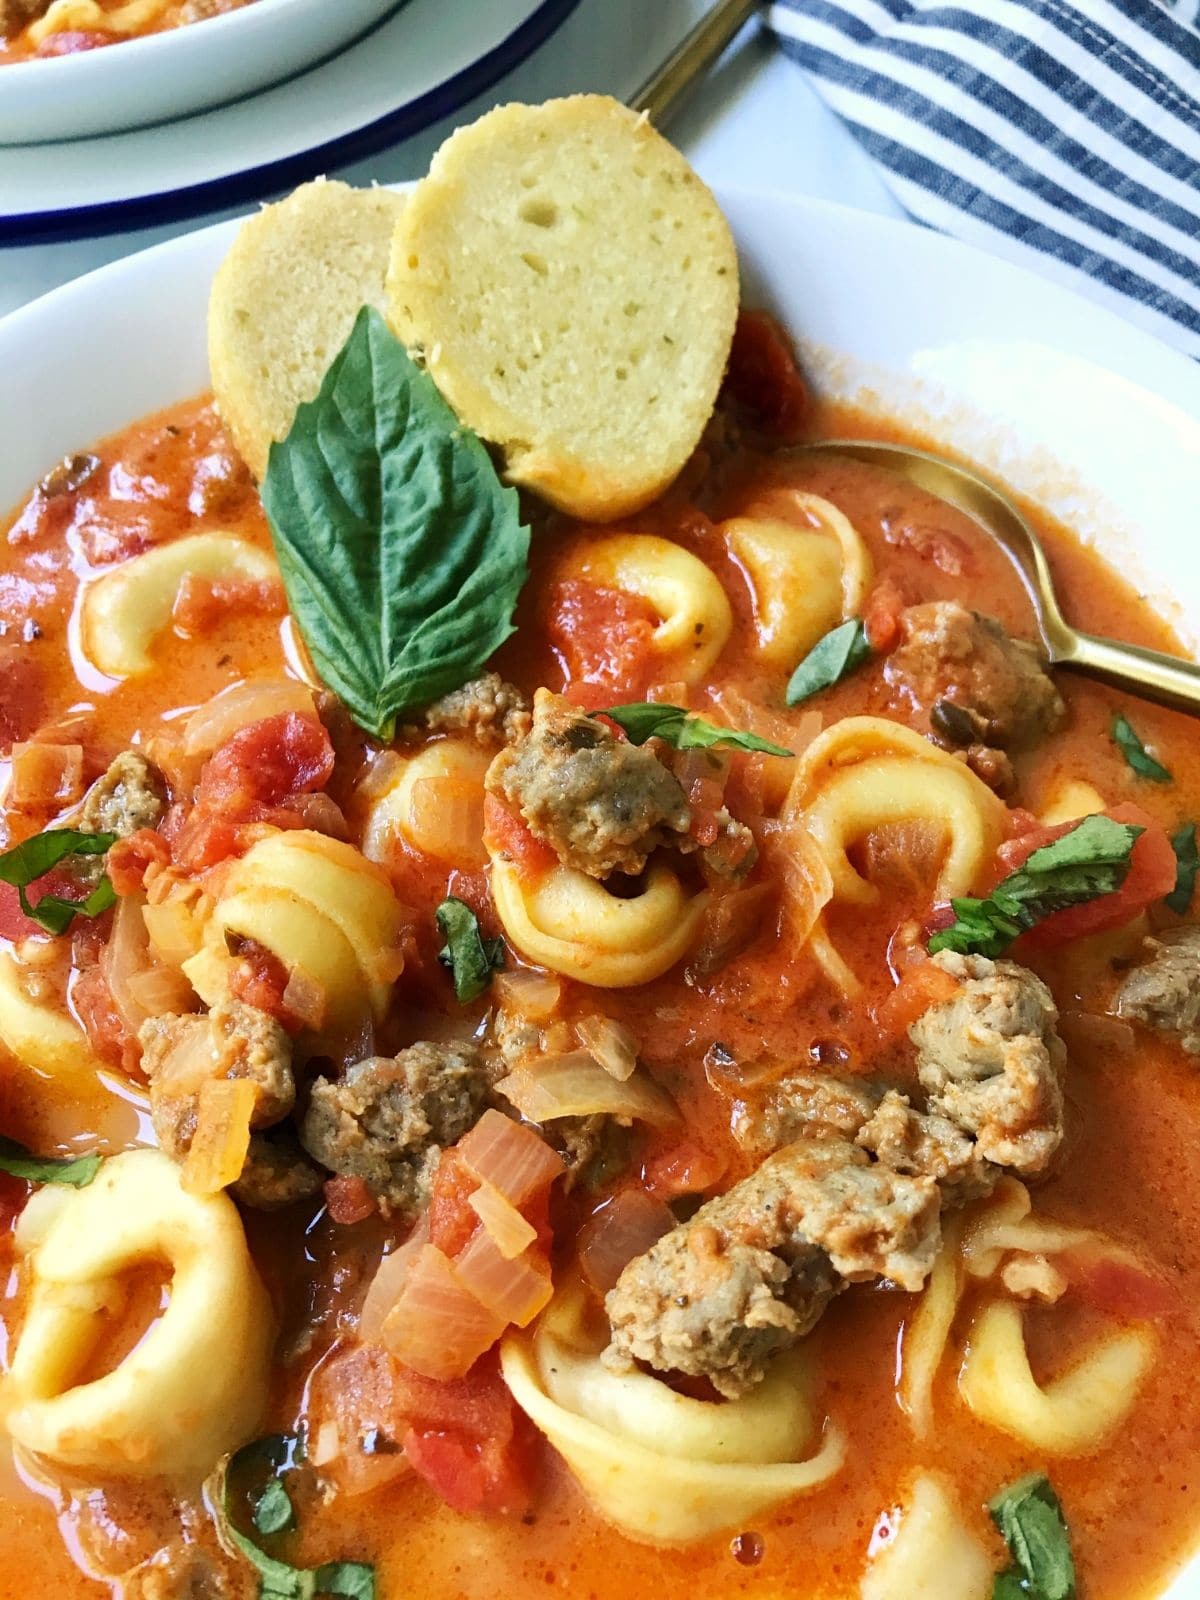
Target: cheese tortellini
(804, 580)
(571, 924)
(34, 1024)
(696, 615)
(932, 1553)
(126, 608)
(432, 805)
(663, 1468)
(322, 909)
(194, 1386)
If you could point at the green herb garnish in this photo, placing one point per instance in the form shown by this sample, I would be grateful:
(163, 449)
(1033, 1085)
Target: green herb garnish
(1135, 752)
(26, 863)
(401, 552)
(1186, 863)
(77, 1171)
(279, 1580)
(471, 958)
(830, 660)
(1031, 1523)
(1090, 861)
(645, 719)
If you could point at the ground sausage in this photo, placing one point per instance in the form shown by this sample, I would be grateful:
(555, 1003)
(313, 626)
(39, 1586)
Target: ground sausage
(989, 1061)
(387, 1119)
(1164, 992)
(801, 1105)
(492, 711)
(977, 686)
(130, 795)
(276, 1172)
(601, 803)
(753, 1270)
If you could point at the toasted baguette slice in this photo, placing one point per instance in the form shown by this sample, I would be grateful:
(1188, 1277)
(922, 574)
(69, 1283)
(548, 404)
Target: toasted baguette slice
(284, 301)
(574, 287)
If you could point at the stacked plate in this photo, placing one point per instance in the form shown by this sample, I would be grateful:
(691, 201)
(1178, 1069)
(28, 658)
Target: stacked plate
(224, 112)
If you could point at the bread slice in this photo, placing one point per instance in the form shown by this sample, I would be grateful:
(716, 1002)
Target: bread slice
(284, 301)
(574, 287)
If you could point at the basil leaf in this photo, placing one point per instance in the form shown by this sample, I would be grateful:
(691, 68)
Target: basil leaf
(470, 956)
(26, 863)
(77, 1171)
(1031, 1523)
(1009, 1587)
(273, 1511)
(646, 719)
(830, 660)
(1186, 863)
(401, 553)
(279, 1580)
(1090, 861)
(1135, 752)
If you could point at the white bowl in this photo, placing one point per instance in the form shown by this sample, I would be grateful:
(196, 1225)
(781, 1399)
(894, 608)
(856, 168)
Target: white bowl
(1096, 420)
(167, 75)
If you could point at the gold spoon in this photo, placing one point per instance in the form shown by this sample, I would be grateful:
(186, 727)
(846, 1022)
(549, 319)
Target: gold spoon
(1148, 673)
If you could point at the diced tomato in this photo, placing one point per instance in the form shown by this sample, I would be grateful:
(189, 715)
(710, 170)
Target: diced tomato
(923, 985)
(129, 859)
(881, 616)
(467, 1439)
(201, 603)
(265, 764)
(22, 695)
(451, 1219)
(1151, 875)
(260, 979)
(763, 376)
(605, 641)
(96, 1010)
(704, 827)
(348, 1200)
(506, 834)
(683, 1168)
(1121, 1288)
(946, 551)
(14, 924)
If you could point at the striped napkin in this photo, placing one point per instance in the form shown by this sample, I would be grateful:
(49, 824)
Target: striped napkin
(1064, 134)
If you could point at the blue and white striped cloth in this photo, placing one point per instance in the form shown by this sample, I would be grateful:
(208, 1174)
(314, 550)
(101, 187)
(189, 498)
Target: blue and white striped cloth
(1064, 134)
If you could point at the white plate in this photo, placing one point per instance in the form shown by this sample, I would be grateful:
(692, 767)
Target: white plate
(419, 65)
(173, 73)
(1096, 419)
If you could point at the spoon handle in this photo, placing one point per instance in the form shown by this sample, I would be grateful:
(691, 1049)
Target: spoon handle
(1149, 674)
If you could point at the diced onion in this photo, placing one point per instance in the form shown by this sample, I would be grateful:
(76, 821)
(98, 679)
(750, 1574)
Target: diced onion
(576, 1086)
(358, 1446)
(190, 1063)
(305, 999)
(445, 819)
(126, 953)
(513, 1159)
(509, 1231)
(326, 1445)
(218, 1149)
(175, 927)
(45, 776)
(730, 922)
(437, 1327)
(389, 1280)
(159, 990)
(619, 1232)
(530, 993)
(609, 1043)
(515, 1290)
(321, 814)
(218, 719)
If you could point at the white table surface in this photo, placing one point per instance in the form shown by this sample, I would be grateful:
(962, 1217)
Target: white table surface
(755, 121)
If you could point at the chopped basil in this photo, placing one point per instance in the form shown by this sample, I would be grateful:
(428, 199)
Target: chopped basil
(1031, 1523)
(1136, 754)
(645, 719)
(1186, 862)
(26, 863)
(273, 1510)
(77, 1171)
(471, 958)
(279, 1580)
(401, 552)
(830, 660)
(1090, 861)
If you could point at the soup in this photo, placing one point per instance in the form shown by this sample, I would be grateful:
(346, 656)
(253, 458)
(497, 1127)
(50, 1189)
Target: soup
(502, 999)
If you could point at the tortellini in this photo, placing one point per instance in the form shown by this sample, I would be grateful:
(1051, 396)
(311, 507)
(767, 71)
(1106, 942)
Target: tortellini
(194, 1386)
(443, 778)
(571, 924)
(695, 611)
(37, 1030)
(932, 1554)
(804, 580)
(126, 608)
(322, 909)
(663, 1468)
